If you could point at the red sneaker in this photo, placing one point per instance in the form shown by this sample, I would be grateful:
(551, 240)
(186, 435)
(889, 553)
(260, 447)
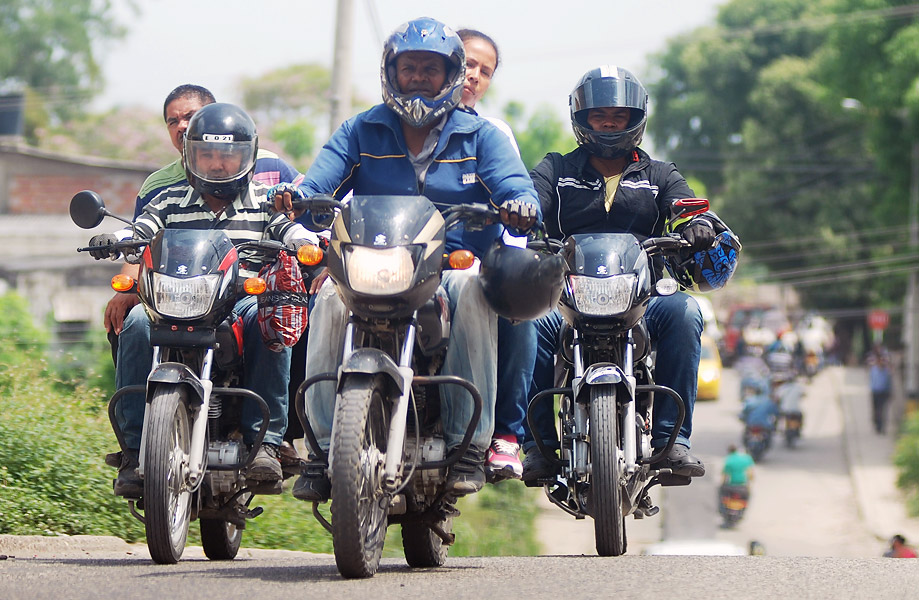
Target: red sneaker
(502, 460)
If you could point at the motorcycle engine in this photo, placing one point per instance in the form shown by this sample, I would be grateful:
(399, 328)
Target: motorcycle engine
(223, 453)
(431, 449)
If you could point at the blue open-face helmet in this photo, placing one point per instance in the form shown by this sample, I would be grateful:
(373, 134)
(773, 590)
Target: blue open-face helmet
(423, 35)
(710, 269)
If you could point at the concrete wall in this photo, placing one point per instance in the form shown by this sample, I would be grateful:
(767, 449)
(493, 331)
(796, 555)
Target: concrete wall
(38, 241)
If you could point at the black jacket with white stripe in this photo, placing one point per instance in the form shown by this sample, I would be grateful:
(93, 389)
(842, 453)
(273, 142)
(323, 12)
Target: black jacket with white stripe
(571, 195)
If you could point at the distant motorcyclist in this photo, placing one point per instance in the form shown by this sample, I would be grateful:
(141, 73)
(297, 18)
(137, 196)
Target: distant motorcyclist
(416, 142)
(220, 148)
(737, 471)
(608, 184)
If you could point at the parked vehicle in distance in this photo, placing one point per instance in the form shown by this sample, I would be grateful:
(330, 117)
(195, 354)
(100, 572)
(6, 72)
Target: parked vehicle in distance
(709, 378)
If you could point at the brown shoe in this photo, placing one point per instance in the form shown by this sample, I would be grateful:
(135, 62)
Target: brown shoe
(290, 460)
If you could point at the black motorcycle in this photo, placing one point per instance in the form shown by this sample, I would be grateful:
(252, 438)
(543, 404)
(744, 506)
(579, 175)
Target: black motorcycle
(607, 464)
(192, 457)
(387, 457)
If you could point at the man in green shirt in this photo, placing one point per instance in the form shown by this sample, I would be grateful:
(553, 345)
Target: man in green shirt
(738, 467)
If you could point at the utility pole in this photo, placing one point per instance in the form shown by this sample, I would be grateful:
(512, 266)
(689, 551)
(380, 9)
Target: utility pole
(911, 314)
(340, 101)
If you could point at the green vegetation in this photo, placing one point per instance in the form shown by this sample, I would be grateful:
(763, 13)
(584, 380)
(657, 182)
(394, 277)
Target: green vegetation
(799, 117)
(54, 433)
(906, 458)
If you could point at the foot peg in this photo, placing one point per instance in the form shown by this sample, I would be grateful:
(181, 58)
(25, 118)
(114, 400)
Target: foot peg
(672, 479)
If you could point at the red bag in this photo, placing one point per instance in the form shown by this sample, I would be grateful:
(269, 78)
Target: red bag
(282, 308)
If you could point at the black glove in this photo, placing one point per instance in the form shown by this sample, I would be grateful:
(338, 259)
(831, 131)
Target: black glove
(295, 245)
(103, 239)
(700, 234)
(518, 214)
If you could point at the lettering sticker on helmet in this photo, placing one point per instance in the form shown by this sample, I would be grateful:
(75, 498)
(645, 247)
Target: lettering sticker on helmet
(223, 138)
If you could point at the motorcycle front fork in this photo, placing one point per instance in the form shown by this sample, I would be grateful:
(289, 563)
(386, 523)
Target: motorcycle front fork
(199, 418)
(399, 416)
(580, 445)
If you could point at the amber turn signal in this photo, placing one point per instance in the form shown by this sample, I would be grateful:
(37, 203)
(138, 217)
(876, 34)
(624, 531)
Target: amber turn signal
(309, 255)
(461, 259)
(255, 286)
(122, 283)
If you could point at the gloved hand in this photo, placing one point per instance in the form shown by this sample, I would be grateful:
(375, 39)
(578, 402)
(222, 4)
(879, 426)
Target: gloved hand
(518, 214)
(294, 245)
(700, 234)
(103, 239)
(283, 195)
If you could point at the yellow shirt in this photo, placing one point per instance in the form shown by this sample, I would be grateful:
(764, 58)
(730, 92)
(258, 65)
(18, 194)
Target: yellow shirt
(612, 184)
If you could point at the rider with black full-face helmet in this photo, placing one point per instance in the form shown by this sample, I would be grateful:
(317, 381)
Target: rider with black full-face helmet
(219, 155)
(608, 184)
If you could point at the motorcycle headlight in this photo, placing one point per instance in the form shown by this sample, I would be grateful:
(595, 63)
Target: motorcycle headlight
(602, 297)
(379, 271)
(184, 298)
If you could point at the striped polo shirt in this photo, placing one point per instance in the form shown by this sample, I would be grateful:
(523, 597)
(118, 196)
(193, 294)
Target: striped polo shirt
(250, 217)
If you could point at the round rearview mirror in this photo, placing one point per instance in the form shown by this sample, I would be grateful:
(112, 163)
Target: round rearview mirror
(87, 209)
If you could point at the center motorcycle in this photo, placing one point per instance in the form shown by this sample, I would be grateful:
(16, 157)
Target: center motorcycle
(606, 463)
(387, 458)
(192, 457)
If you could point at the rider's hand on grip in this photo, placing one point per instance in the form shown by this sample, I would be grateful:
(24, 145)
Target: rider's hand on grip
(283, 196)
(700, 234)
(518, 214)
(103, 239)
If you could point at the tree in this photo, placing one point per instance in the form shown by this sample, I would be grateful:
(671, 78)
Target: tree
(289, 105)
(47, 46)
(752, 106)
(542, 133)
(127, 133)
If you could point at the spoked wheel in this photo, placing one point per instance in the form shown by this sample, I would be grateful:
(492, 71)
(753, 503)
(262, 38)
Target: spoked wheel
(359, 507)
(605, 495)
(220, 539)
(167, 500)
(424, 548)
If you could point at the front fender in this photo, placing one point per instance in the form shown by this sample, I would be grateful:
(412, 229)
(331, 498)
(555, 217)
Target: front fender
(176, 373)
(370, 361)
(599, 374)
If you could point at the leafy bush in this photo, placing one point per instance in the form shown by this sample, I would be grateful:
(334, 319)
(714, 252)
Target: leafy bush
(906, 458)
(54, 433)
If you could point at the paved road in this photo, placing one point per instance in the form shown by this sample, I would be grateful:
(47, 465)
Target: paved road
(831, 496)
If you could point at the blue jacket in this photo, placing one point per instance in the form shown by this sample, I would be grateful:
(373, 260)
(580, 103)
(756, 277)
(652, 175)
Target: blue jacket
(473, 163)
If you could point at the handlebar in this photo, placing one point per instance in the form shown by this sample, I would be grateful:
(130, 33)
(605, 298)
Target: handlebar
(475, 217)
(668, 244)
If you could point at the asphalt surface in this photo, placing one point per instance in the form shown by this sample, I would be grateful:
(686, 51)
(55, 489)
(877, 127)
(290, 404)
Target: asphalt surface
(879, 502)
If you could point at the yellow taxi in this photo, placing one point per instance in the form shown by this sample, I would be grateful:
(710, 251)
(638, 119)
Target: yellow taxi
(709, 371)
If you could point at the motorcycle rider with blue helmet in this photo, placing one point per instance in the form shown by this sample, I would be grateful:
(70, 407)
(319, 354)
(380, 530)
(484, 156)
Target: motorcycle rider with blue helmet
(608, 184)
(414, 143)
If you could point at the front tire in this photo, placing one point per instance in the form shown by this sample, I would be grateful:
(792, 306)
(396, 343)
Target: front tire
(605, 496)
(167, 499)
(358, 449)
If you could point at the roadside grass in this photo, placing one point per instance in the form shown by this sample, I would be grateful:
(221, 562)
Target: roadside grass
(53, 481)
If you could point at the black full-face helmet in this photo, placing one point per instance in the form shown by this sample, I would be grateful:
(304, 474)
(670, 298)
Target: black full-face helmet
(220, 149)
(602, 87)
(423, 35)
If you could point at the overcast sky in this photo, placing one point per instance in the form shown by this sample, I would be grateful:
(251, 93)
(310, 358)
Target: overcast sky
(545, 45)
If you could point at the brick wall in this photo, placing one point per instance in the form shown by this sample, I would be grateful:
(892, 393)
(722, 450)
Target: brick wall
(51, 195)
(40, 183)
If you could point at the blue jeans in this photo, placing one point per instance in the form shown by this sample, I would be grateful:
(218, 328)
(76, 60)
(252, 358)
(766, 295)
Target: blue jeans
(267, 373)
(471, 354)
(516, 359)
(675, 324)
